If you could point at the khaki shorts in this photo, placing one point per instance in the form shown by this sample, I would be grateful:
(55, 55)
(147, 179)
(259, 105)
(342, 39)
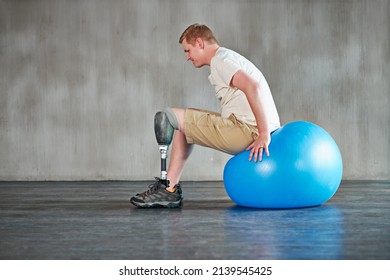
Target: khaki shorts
(209, 129)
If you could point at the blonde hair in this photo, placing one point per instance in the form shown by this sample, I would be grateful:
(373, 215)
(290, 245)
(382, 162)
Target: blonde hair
(196, 31)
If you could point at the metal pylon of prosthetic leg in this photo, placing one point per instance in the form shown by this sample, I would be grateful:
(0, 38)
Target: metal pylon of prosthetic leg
(164, 155)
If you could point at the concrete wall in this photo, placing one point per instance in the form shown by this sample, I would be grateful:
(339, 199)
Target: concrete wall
(80, 81)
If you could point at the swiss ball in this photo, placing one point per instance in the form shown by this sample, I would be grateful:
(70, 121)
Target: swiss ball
(304, 169)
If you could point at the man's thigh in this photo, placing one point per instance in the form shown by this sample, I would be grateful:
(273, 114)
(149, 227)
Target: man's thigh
(209, 129)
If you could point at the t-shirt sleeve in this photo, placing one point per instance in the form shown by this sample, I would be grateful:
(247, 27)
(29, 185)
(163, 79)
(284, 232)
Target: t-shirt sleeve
(225, 69)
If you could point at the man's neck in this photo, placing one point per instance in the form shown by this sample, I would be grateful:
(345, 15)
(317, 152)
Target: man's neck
(212, 50)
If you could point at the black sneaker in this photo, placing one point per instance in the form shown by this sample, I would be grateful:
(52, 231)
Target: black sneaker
(158, 196)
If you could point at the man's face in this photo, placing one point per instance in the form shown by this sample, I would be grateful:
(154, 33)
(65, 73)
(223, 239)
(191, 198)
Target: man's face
(194, 53)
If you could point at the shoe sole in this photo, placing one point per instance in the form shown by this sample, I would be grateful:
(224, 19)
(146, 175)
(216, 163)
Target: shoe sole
(176, 204)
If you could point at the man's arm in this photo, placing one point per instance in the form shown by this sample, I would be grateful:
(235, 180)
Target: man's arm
(251, 88)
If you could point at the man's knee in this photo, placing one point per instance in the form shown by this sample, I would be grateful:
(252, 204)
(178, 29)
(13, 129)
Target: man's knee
(173, 120)
(165, 122)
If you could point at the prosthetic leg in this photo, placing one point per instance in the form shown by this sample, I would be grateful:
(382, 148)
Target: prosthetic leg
(164, 134)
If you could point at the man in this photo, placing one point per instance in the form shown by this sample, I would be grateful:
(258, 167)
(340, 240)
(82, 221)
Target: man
(248, 114)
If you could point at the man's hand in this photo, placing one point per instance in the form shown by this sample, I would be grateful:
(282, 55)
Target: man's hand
(259, 146)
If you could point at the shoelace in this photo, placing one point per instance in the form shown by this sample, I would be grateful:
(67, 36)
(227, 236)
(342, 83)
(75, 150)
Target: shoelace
(153, 188)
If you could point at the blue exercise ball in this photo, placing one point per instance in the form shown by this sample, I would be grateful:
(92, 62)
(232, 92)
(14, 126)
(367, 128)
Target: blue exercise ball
(304, 169)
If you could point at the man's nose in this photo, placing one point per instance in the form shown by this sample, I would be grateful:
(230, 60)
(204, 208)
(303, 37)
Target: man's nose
(188, 56)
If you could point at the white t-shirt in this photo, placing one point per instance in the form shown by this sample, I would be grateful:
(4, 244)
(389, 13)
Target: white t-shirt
(223, 66)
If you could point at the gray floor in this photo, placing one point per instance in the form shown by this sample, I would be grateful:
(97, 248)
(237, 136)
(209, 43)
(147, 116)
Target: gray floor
(93, 220)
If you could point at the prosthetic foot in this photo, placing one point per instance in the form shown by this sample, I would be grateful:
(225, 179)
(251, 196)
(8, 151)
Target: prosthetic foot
(164, 134)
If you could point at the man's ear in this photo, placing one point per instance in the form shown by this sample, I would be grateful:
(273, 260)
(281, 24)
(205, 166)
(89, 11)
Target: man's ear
(200, 42)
